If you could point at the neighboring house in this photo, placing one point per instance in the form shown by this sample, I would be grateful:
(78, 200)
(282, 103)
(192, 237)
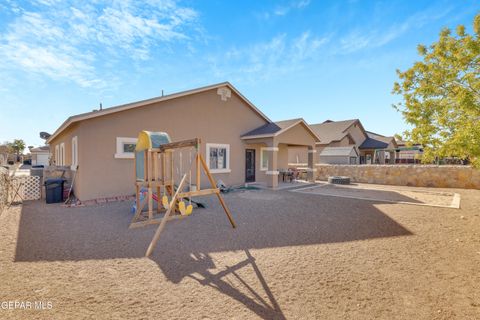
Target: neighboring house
(346, 142)
(377, 149)
(408, 153)
(40, 156)
(240, 144)
(339, 142)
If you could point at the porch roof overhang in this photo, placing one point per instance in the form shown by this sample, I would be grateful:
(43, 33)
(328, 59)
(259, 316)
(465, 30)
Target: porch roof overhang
(276, 129)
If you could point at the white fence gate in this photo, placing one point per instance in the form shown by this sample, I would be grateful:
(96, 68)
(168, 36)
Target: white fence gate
(28, 187)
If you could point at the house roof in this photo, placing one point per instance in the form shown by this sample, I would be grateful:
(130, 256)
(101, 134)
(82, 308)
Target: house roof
(338, 151)
(376, 141)
(119, 108)
(267, 129)
(275, 128)
(41, 149)
(330, 131)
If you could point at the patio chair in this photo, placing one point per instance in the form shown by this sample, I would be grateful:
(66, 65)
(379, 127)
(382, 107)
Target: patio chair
(292, 174)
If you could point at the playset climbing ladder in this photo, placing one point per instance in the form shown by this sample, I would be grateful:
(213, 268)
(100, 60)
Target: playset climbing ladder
(155, 172)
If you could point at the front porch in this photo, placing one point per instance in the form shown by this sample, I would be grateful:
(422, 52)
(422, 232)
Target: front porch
(271, 143)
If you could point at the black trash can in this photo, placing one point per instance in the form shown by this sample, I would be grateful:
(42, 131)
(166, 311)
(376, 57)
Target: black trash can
(54, 190)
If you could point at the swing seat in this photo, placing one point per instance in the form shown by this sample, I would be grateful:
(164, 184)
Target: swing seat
(185, 211)
(165, 203)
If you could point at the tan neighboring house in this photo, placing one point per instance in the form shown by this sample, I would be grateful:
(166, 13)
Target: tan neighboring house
(239, 143)
(339, 142)
(346, 142)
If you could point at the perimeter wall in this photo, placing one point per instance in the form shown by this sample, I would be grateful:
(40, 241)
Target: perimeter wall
(443, 176)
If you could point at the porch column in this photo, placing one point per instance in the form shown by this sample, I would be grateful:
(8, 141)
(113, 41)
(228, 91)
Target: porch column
(311, 170)
(272, 172)
(393, 158)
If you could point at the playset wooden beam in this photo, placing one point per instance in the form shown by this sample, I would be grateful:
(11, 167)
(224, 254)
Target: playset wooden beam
(158, 173)
(156, 236)
(219, 196)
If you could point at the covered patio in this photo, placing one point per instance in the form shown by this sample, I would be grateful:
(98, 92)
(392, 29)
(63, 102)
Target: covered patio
(271, 142)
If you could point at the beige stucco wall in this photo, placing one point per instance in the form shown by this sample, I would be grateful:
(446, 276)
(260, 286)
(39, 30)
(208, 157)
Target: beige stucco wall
(357, 134)
(298, 135)
(66, 138)
(406, 175)
(293, 143)
(297, 154)
(345, 142)
(202, 115)
(282, 156)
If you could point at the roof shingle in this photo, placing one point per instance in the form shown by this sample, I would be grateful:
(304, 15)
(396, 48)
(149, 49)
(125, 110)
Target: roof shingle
(329, 131)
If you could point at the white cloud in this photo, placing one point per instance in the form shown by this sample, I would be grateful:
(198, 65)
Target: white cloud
(371, 37)
(264, 60)
(65, 40)
(282, 10)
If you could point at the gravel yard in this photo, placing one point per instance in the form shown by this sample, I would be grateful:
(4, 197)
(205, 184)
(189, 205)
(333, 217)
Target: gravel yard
(385, 193)
(293, 256)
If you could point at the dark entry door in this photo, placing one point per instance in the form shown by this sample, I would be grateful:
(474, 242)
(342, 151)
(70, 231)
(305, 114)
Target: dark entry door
(250, 165)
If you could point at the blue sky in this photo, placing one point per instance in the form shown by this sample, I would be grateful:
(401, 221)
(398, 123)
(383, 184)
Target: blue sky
(313, 59)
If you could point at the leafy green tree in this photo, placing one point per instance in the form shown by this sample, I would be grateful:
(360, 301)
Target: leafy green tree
(18, 145)
(441, 96)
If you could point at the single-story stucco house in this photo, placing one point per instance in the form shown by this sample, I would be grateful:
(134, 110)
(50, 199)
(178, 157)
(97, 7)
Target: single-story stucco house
(239, 143)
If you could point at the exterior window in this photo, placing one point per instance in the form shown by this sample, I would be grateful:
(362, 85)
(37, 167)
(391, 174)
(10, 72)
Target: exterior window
(218, 157)
(125, 148)
(62, 154)
(74, 153)
(353, 160)
(264, 159)
(57, 155)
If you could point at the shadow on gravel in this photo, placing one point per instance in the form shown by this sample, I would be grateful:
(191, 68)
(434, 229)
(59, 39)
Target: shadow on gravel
(265, 219)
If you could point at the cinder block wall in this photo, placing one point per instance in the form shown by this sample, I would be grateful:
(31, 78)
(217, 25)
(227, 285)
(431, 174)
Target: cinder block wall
(464, 177)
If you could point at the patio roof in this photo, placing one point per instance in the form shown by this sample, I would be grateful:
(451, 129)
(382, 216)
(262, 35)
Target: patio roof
(276, 128)
(376, 141)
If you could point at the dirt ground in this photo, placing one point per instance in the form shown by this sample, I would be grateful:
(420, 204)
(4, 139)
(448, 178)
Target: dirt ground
(293, 256)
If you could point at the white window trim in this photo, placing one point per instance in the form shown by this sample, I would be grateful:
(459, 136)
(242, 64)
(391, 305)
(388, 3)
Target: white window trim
(62, 154)
(262, 168)
(74, 153)
(57, 155)
(124, 155)
(218, 145)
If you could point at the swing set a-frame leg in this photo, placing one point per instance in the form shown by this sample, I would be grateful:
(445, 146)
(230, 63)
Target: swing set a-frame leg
(160, 228)
(220, 198)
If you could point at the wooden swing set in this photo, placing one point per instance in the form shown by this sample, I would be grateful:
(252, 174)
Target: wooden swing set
(155, 171)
